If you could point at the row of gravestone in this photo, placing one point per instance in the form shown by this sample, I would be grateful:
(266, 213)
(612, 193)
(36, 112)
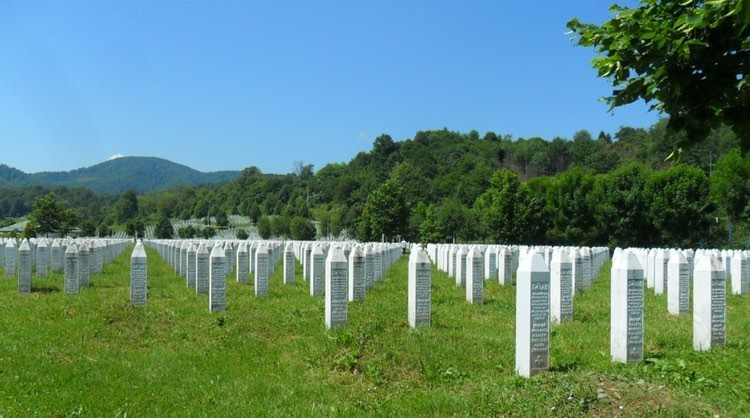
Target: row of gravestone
(341, 271)
(672, 272)
(547, 279)
(537, 287)
(37, 257)
(664, 267)
(572, 270)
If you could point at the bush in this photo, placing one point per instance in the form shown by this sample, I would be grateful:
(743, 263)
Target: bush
(264, 227)
(301, 229)
(208, 232)
(187, 232)
(103, 231)
(135, 227)
(164, 229)
(222, 219)
(242, 234)
(88, 229)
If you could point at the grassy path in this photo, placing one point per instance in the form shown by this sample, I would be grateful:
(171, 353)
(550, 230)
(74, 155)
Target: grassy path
(93, 354)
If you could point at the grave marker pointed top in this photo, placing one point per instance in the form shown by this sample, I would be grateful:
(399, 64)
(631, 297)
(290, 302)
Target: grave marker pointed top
(418, 255)
(138, 251)
(217, 252)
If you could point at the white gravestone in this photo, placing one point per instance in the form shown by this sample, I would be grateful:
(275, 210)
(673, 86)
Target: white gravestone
(626, 305)
(505, 267)
(242, 263)
(586, 272)
(289, 265)
(24, 267)
(317, 269)
(490, 263)
(184, 258)
(532, 315)
(678, 289)
(369, 268)
(576, 260)
(71, 269)
(661, 275)
(191, 267)
(217, 278)
(55, 257)
(42, 259)
(461, 267)
(307, 267)
(10, 258)
(475, 276)
(561, 287)
(261, 271)
(377, 262)
(739, 273)
(138, 276)
(419, 288)
(84, 256)
(709, 303)
(201, 269)
(356, 274)
(336, 283)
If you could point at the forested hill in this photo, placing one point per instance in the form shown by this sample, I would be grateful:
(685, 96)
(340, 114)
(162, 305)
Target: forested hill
(443, 185)
(114, 176)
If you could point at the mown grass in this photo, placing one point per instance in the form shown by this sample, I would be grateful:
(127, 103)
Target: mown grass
(94, 354)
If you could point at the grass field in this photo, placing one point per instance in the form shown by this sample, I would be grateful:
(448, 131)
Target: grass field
(94, 354)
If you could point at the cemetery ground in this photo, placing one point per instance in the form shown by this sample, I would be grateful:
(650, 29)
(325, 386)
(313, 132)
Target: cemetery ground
(95, 354)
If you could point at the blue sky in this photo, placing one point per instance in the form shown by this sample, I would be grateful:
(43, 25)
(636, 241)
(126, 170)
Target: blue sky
(227, 85)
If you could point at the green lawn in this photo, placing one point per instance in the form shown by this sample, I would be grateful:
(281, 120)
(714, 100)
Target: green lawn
(94, 354)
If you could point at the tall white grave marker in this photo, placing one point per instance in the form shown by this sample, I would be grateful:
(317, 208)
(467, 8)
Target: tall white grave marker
(709, 303)
(561, 287)
(217, 278)
(626, 304)
(532, 315)
(336, 282)
(678, 289)
(356, 274)
(419, 288)
(24, 267)
(71, 269)
(138, 276)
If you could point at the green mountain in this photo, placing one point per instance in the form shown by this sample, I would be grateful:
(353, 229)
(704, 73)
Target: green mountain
(142, 174)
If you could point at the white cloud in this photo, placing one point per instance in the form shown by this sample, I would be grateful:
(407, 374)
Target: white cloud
(118, 155)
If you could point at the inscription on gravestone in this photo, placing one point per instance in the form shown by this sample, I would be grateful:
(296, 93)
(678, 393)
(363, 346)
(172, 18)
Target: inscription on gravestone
(24, 268)
(201, 270)
(191, 267)
(138, 276)
(718, 311)
(71, 269)
(289, 264)
(83, 265)
(635, 317)
(336, 283)
(261, 272)
(217, 280)
(42, 259)
(419, 288)
(539, 321)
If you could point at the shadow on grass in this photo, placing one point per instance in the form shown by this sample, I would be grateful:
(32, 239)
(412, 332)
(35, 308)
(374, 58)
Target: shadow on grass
(44, 289)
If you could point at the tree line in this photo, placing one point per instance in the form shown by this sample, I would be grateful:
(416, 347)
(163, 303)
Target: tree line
(443, 186)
